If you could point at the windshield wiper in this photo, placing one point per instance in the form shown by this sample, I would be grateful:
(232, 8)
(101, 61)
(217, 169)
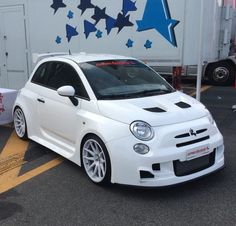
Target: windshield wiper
(116, 96)
(153, 91)
(134, 94)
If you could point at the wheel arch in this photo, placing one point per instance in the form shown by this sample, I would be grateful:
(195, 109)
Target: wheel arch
(26, 114)
(106, 151)
(83, 139)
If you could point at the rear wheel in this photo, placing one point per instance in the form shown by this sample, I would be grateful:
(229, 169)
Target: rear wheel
(20, 123)
(96, 161)
(221, 73)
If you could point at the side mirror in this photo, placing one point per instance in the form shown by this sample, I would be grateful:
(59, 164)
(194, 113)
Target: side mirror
(68, 91)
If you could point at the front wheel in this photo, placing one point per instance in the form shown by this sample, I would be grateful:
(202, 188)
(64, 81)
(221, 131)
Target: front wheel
(96, 161)
(20, 124)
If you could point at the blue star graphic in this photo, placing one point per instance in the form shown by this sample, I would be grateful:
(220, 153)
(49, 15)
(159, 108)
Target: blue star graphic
(148, 44)
(128, 6)
(58, 40)
(70, 14)
(70, 32)
(110, 23)
(129, 43)
(57, 4)
(157, 16)
(99, 14)
(99, 34)
(123, 21)
(85, 4)
(88, 28)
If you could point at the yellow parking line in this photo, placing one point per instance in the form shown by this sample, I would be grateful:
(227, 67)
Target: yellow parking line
(204, 88)
(11, 161)
(29, 175)
(12, 158)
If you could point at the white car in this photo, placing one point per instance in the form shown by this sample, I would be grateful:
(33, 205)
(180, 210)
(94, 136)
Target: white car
(119, 120)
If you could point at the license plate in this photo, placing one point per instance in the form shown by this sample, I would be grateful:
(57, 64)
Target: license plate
(198, 152)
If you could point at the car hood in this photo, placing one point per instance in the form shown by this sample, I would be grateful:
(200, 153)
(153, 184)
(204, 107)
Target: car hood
(168, 109)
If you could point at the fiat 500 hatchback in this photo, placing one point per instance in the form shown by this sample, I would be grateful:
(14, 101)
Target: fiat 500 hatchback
(119, 120)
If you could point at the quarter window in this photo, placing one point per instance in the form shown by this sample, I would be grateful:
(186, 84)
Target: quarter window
(40, 75)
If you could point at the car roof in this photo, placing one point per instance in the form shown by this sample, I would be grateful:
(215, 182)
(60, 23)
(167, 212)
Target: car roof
(85, 57)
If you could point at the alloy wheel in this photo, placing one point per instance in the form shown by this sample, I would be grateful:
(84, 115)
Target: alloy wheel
(19, 123)
(94, 160)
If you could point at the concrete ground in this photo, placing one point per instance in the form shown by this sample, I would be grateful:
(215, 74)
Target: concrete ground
(39, 188)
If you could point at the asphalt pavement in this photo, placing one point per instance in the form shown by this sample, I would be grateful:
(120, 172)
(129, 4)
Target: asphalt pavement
(63, 195)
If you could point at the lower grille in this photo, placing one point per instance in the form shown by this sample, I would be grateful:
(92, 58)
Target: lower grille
(195, 165)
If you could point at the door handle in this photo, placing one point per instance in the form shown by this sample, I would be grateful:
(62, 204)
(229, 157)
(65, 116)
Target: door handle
(41, 100)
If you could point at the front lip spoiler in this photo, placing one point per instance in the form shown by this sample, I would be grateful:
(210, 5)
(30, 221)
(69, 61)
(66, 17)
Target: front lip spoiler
(172, 185)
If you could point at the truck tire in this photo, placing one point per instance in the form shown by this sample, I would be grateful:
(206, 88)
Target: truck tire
(221, 73)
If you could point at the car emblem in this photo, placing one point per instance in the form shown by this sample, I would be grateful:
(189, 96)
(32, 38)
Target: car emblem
(192, 133)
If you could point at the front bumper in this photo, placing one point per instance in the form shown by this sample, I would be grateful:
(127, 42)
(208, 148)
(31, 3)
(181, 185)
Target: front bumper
(158, 167)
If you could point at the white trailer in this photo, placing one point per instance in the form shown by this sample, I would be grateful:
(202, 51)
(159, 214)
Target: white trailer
(160, 32)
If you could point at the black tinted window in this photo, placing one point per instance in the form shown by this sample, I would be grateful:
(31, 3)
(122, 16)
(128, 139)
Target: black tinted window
(120, 79)
(62, 74)
(40, 75)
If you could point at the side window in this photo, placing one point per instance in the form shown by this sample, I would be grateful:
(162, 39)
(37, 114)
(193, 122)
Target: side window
(39, 76)
(62, 74)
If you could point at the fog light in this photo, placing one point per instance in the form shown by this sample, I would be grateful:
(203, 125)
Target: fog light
(141, 149)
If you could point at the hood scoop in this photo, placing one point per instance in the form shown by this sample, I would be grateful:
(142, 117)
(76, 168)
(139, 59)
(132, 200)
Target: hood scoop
(182, 104)
(155, 110)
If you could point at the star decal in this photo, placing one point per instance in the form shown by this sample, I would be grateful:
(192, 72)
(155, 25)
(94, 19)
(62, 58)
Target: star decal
(88, 28)
(99, 14)
(129, 43)
(157, 16)
(148, 44)
(58, 40)
(99, 34)
(123, 21)
(128, 6)
(70, 32)
(85, 4)
(70, 14)
(110, 23)
(57, 4)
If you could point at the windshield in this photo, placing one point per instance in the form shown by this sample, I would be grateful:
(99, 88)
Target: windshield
(123, 79)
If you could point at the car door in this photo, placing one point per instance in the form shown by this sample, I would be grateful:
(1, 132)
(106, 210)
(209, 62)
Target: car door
(57, 114)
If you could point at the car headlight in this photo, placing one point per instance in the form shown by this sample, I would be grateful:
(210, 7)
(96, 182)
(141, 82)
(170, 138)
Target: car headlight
(142, 130)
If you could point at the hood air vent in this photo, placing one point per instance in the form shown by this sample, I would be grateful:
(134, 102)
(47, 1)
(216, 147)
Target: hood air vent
(183, 105)
(156, 110)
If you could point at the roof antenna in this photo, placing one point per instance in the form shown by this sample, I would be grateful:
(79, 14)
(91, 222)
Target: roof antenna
(69, 52)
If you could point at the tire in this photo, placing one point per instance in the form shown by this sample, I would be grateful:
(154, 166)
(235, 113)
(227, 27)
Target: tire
(95, 160)
(20, 123)
(221, 73)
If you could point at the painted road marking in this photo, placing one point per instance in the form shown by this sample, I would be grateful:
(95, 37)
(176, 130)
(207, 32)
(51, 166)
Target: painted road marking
(12, 159)
(14, 148)
(29, 175)
(11, 162)
(203, 89)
